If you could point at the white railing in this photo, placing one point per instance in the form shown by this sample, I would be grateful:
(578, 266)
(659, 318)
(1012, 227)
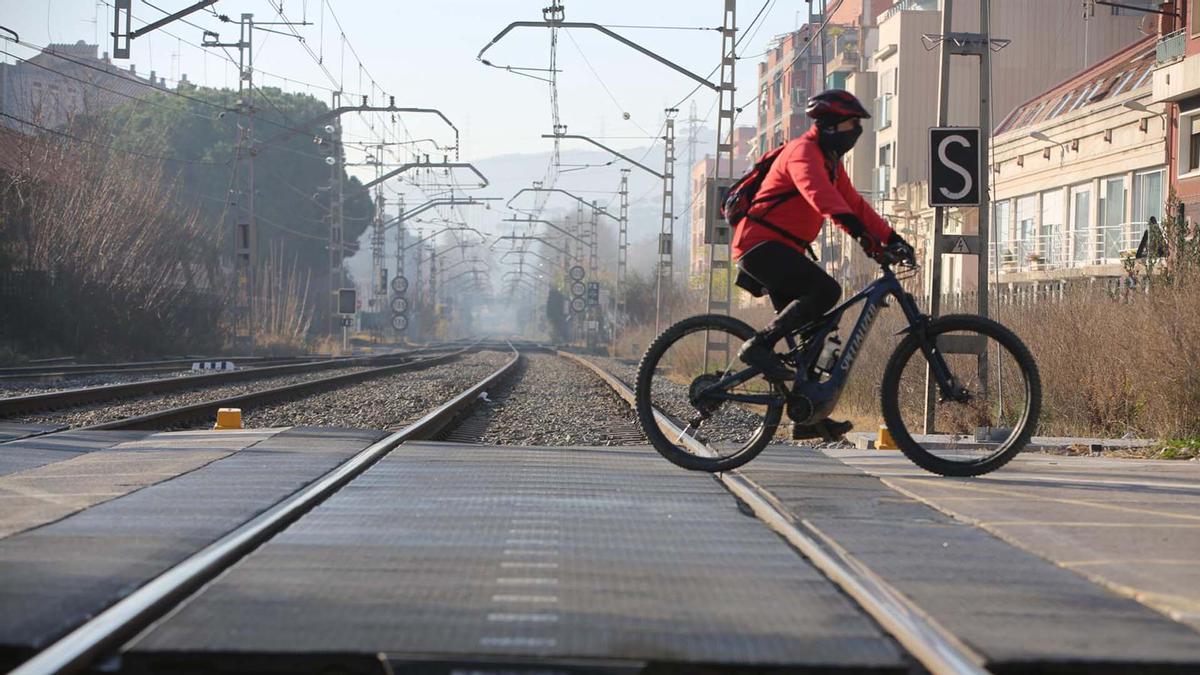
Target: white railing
(1049, 252)
(1170, 47)
(908, 5)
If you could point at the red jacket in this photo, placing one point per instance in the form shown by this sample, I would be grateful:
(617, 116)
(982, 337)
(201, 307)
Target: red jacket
(802, 166)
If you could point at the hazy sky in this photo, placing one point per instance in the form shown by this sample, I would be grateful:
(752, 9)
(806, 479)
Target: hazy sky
(424, 54)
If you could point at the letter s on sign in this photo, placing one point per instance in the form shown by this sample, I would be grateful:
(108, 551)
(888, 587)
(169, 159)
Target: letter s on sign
(955, 167)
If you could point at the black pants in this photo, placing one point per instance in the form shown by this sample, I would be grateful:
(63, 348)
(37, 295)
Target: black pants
(789, 275)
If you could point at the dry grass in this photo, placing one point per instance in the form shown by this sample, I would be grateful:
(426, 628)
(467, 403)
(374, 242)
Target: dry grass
(1109, 366)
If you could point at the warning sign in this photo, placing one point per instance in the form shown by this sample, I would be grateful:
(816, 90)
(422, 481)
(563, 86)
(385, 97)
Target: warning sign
(960, 246)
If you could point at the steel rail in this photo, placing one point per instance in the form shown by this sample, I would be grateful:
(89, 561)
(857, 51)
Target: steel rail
(208, 409)
(930, 643)
(16, 405)
(124, 619)
(13, 372)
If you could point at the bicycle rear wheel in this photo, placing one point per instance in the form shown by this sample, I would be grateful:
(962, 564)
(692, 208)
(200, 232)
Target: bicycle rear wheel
(994, 412)
(695, 431)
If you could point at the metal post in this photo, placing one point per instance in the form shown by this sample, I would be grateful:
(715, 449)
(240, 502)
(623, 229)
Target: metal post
(593, 247)
(939, 213)
(622, 246)
(336, 218)
(666, 234)
(693, 139)
(400, 243)
(985, 197)
(593, 313)
(964, 44)
(720, 258)
(379, 283)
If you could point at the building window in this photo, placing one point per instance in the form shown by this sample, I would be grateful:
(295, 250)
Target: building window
(1001, 216)
(1192, 140)
(1192, 17)
(1112, 217)
(1081, 224)
(1050, 233)
(885, 155)
(1025, 239)
(1148, 203)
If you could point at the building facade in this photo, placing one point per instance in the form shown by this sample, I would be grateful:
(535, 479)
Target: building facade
(1078, 172)
(698, 212)
(1050, 45)
(1177, 85)
(66, 80)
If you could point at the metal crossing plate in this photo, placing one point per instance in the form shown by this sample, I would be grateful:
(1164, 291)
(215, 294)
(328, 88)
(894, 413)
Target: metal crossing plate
(444, 553)
(1015, 608)
(58, 575)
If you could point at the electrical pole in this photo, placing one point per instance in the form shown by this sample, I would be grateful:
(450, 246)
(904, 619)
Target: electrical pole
(336, 220)
(693, 138)
(622, 247)
(245, 233)
(720, 262)
(963, 44)
(666, 233)
(379, 277)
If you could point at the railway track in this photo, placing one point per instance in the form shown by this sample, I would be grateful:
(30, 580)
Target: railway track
(469, 417)
(363, 368)
(58, 370)
(121, 621)
(929, 643)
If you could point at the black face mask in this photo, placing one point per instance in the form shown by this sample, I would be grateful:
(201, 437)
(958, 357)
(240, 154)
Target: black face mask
(839, 142)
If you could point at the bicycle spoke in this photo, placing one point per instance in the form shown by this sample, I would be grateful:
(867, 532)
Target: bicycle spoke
(981, 415)
(681, 378)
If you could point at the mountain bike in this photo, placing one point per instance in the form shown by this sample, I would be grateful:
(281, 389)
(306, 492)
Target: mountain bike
(703, 409)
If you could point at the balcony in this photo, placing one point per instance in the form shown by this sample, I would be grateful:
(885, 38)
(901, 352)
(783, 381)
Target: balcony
(1176, 75)
(1170, 47)
(909, 6)
(1060, 252)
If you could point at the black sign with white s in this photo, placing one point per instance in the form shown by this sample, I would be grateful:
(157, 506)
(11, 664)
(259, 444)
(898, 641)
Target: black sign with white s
(954, 166)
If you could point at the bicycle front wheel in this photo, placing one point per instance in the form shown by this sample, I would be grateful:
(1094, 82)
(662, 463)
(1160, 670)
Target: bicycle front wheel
(991, 414)
(686, 426)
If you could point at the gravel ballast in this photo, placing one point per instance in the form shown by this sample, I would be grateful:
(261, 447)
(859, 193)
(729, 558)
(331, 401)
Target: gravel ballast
(385, 403)
(734, 423)
(32, 386)
(108, 411)
(553, 402)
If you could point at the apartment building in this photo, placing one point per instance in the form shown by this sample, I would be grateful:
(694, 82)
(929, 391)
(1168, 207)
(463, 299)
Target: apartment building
(1177, 85)
(1078, 171)
(1051, 43)
(65, 80)
(701, 171)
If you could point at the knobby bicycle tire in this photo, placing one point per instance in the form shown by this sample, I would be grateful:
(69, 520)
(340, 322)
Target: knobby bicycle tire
(889, 390)
(645, 408)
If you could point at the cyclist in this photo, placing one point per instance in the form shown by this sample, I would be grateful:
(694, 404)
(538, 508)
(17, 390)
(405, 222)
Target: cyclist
(805, 185)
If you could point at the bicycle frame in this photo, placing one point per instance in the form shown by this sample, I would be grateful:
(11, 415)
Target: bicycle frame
(824, 395)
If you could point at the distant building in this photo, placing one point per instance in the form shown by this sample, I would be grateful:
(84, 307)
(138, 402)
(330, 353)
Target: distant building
(1177, 84)
(1050, 44)
(700, 172)
(66, 80)
(1079, 170)
(786, 79)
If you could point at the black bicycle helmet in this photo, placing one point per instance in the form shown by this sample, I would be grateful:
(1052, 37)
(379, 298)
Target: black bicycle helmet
(833, 106)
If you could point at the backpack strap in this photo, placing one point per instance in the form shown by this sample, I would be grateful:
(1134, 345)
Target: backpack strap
(772, 226)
